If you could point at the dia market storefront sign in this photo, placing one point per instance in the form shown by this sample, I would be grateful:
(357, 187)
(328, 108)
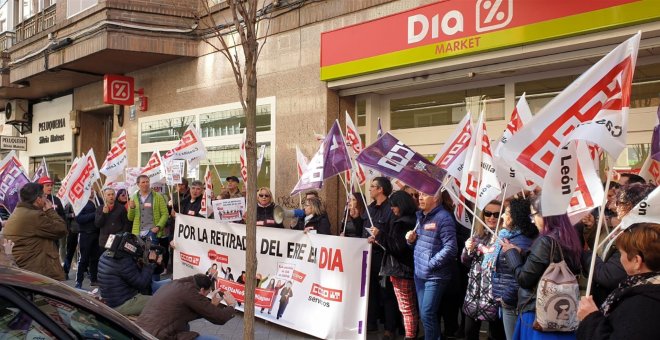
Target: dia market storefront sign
(452, 28)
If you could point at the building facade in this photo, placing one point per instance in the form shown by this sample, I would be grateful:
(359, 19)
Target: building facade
(419, 66)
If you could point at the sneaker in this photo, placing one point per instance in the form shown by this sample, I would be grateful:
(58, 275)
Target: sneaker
(78, 285)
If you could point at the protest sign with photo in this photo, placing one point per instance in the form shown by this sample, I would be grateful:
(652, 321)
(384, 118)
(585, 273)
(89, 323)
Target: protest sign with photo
(316, 284)
(229, 210)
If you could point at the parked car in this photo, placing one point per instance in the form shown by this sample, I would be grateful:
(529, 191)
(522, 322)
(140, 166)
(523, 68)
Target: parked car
(33, 306)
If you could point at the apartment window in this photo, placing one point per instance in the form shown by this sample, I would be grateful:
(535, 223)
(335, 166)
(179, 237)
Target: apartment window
(361, 110)
(74, 7)
(446, 108)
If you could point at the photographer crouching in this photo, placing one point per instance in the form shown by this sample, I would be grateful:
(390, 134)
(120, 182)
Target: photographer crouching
(168, 312)
(125, 276)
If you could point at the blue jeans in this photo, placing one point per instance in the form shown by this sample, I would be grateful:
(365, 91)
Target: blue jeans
(155, 285)
(509, 318)
(429, 295)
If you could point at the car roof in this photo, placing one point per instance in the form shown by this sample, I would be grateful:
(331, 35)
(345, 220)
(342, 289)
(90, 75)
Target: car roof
(20, 278)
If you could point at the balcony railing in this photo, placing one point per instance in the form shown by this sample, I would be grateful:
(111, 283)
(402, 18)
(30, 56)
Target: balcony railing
(36, 24)
(7, 39)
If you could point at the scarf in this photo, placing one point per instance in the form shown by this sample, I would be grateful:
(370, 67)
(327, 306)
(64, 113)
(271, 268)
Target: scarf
(651, 278)
(490, 258)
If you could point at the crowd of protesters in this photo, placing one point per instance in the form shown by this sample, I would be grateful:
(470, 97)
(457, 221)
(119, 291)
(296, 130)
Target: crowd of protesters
(430, 275)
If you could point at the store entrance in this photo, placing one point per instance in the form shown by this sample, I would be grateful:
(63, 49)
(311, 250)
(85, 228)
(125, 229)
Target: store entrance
(96, 132)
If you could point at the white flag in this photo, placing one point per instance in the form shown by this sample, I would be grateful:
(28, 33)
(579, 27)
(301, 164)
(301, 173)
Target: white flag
(571, 184)
(452, 155)
(479, 181)
(354, 143)
(117, 159)
(154, 169)
(260, 158)
(79, 186)
(650, 171)
(593, 108)
(61, 192)
(506, 170)
(646, 211)
(10, 157)
(461, 215)
(189, 147)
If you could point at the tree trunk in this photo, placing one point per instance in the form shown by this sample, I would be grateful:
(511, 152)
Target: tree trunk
(251, 189)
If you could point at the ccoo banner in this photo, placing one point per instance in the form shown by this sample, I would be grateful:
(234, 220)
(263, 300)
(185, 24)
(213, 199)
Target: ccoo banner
(301, 277)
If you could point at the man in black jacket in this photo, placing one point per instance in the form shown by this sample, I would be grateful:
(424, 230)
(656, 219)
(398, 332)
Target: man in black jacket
(192, 204)
(111, 218)
(123, 274)
(88, 240)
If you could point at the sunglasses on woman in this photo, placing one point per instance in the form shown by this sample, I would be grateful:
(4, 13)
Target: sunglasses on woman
(495, 214)
(264, 195)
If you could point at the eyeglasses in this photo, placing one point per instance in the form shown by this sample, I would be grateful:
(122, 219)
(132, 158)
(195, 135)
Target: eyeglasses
(495, 214)
(531, 216)
(264, 195)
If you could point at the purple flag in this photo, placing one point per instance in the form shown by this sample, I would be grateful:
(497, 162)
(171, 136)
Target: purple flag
(312, 177)
(393, 158)
(13, 179)
(655, 140)
(335, 153)
(41, 171)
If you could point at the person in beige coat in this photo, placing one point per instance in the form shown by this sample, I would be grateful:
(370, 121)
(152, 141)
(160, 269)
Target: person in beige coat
(34, 226)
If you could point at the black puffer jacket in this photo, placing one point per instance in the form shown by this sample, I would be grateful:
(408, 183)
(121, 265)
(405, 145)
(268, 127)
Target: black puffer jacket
(86, 218)
(265, 216)
(121, 278)
(398, 259)
(528, 271)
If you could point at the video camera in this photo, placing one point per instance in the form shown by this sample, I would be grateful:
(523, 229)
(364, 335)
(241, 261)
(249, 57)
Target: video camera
(126, 243)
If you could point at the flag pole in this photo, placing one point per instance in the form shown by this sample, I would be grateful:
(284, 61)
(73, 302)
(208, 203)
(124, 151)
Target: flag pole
(371, 221)
(222, 186)
(348, 200)
(497, 226)
(600, 224)
(468, 210)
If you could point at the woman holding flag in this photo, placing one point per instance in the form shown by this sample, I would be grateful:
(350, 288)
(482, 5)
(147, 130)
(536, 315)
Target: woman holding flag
(609, 272)
(555, 231)
(479, 256)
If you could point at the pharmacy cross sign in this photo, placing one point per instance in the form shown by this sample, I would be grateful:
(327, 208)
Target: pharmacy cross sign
(118, 89)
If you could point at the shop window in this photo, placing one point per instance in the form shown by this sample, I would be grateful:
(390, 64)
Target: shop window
(58, 167)
(165, 130)
(540, 92)
(361, 112)
(446, 108)
(636, 155)
(645, 88)
(232, 122)
(226, 160)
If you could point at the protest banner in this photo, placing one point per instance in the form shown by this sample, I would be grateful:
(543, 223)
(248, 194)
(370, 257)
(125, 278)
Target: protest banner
(326, 295)
(229, 210)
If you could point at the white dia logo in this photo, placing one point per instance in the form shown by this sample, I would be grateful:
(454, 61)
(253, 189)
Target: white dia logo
(493, 14)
